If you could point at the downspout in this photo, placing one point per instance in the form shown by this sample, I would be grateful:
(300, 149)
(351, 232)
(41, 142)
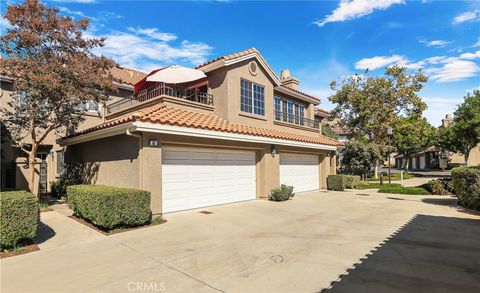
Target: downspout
(140, 153)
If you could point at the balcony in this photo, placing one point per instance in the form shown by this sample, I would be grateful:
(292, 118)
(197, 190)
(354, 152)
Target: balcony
(190, 94)
(296, 120)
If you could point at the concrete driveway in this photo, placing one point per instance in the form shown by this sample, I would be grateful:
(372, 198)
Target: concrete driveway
(385, 243)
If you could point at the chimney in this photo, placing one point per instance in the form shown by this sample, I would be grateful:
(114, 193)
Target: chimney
(447, 120)
(287, 80)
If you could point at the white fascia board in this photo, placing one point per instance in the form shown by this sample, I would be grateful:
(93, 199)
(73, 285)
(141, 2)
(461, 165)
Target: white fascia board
(124, 86)
(300, 96)
(110, 131)
(202, 133)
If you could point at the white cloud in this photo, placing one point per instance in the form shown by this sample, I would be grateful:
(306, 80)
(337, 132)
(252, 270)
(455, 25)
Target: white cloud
(435, 43)
(153, 33)
(71, 12)
(146, 52)
(466, 16)
(351, 9)
(477, 44)
(470, 56)
(4, 24)
(439, 68)
(380, 61)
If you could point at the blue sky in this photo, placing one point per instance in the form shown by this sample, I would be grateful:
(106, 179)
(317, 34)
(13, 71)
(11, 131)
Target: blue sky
(318, 41)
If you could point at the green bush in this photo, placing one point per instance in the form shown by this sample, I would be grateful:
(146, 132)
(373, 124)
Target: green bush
(441, 186)
(391, 188)
(19, 217)
(466, 183)
(336, 182)
(110, 207)
(59, 187)
(352, 181)
(282, 193)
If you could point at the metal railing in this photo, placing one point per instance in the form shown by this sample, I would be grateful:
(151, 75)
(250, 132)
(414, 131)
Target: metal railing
(193, 95)
(294, 119)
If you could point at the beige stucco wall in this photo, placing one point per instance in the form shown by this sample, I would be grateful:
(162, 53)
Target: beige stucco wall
(225, 86)
(127, 161)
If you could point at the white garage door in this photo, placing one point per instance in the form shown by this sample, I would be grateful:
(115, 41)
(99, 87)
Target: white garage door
(299, 171)
(197, 177)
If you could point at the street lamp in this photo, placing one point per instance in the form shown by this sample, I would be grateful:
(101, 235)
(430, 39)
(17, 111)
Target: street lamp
(389, 133)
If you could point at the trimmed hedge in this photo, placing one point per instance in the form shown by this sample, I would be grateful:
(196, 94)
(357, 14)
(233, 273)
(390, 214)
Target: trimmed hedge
(443, 186)
(352, 181)
(466, 183)
(110, 207)
(282, 193)
(19, 217)
(336, 182)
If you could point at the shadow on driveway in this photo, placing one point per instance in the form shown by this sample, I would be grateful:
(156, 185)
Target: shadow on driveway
(428, 254)
(44, 233)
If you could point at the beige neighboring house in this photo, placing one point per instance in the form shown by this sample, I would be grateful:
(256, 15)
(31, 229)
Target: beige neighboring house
(14, 167)
(432, 158)
(232, 136)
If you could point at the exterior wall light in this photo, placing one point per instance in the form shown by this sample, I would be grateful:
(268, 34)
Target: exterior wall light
(153, 142)
(273, 150)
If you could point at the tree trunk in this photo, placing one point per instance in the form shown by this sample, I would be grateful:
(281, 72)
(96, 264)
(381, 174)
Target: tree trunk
(406, 165)
(31, 168)
(467, 154)
(375, 169)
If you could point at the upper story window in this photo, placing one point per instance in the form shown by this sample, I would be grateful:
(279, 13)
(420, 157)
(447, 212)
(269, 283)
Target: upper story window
(288, 111)
(252, 97)
(91, 106)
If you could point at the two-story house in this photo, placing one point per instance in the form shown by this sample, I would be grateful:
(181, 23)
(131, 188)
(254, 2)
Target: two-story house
(231, 136)
(14, 167)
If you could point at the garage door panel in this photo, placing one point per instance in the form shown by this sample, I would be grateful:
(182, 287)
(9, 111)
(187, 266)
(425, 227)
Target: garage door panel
(207, 177)
(300, 171)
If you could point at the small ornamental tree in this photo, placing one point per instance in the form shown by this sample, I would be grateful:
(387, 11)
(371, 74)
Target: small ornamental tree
(464, 134)
(369, 105)
(357, 157)
(412, 135)
(54, 73)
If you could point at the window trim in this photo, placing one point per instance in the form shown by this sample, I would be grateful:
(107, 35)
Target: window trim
(252, 105)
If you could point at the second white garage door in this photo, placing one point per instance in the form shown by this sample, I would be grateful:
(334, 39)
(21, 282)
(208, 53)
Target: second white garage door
(299, 171)
(198, 177)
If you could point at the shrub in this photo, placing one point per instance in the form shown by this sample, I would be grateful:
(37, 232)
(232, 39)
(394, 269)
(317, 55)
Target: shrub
(352, 181)
(59, 187)
(336, 182)
(282, 193)
(390, 188)
(19, 217)
(441, 186)
(110, 207)
(466, 183)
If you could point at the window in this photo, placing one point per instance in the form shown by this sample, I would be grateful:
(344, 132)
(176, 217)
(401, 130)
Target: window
(289, 111)
(60, 162)
(277, 107)
(91, 106)
(252, 97)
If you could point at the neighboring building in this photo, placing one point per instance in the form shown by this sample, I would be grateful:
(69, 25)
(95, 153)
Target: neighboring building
(433, 158)
(14, 167)
(232, 136)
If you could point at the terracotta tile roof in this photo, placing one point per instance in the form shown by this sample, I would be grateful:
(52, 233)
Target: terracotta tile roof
(127, 75)
(231, 56)
(168, 115)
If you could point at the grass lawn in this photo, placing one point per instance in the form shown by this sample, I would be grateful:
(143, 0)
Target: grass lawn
(394, 188)
(375, 185)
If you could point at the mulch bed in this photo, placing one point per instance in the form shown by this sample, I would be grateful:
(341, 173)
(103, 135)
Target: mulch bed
(26, 247)
(115, 231)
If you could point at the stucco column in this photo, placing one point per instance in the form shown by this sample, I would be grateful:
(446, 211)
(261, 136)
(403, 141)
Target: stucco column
(333, 163)
(324, 168)
(268, 172)
(151, 177)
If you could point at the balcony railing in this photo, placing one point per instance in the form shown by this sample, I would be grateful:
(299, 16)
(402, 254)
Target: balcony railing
(193, 95)
(296, 120)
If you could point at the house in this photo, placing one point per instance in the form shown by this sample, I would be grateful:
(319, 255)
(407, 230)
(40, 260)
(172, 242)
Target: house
(14, 167)
(432, 158)
(231, 136)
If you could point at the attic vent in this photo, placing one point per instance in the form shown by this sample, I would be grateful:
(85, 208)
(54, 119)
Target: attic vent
(253, 68)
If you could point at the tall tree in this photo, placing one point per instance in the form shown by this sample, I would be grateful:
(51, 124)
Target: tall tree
(369, 105)
(357, 157)
(54, 73)
(412, 135)
(464, 134)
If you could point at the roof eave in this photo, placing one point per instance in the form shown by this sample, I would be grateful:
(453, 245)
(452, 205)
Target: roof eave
(297, 95)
